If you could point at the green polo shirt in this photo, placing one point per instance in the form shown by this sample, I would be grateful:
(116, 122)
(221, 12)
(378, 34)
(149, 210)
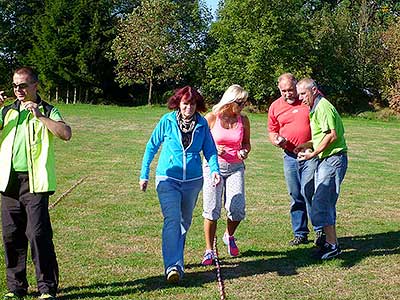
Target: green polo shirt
(19, 156)
(323, 118)
(19, 159)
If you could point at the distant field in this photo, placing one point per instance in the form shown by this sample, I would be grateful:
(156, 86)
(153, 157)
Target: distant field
(108, 234)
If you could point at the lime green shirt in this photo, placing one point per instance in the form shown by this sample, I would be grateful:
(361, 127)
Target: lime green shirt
(19, 159)
(19, 156)
(323, 118)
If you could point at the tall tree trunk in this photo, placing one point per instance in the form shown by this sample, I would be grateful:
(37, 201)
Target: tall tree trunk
(74, 95)
(150, 87)
(67, 101)
(57, 94)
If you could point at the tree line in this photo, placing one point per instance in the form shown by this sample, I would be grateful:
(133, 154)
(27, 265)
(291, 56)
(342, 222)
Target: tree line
(135, 52)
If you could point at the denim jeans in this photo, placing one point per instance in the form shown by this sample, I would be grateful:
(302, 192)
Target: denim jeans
(299, 177)
(328, 177)
(177, 201)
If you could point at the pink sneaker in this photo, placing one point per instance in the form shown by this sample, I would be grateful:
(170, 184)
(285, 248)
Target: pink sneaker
(208, 258)
(233, 250)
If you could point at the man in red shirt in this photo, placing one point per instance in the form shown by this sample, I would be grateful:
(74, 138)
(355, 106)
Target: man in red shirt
(289, 126)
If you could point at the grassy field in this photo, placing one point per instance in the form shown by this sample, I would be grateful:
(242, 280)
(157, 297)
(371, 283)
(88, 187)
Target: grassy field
(107, 233)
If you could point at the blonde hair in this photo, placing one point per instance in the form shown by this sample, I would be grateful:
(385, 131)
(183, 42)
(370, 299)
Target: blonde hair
(233, 93)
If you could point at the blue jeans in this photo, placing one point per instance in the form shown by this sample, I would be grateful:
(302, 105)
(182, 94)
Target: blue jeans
(299, 177)
(328, 177)
(177, 201)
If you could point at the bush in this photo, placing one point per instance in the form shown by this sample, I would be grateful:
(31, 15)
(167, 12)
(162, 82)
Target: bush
(385, 114)
(394, 98)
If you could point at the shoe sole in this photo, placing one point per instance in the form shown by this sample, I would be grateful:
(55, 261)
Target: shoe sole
(173, 277)
(330, 255)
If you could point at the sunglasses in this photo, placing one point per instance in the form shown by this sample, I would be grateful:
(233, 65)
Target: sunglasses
(240, 103)
(21, 86)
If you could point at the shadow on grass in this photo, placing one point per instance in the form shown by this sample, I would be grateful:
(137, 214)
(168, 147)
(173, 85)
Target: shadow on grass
(359, 247)
(138, 286)
(250, 262)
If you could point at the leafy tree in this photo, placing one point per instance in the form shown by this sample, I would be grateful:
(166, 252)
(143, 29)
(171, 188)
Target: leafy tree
(72, 38)
(391, 40)
(57, 43)
(194, 19)
(16, 22)
(256, 45)
(336, 42)
(148, 48)
(66, 40)
(122, 8)
(348, 46)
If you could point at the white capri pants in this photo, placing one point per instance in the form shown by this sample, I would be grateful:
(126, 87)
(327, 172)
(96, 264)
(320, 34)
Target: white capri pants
(229, 191)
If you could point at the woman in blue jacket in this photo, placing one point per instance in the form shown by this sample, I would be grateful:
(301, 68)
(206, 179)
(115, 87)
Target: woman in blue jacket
(183, 133)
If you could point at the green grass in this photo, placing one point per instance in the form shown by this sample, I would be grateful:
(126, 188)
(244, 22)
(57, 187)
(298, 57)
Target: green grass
(107, 233)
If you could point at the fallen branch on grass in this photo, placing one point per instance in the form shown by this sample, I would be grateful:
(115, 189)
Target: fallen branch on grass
(63, 195)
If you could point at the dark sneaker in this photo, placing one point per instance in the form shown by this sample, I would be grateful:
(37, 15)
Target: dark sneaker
(328, 251)
(12, 296)
(320, 238)
(173, 276)
(208, 258)
(298, 239)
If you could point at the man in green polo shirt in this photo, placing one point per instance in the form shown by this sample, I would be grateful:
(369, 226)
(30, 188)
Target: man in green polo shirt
(27, 178)
(329, 145)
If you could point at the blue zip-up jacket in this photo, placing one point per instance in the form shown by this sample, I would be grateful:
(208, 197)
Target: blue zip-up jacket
(176, 162)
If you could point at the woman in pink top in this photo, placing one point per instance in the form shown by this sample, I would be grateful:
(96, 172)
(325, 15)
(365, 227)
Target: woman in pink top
(231, 132)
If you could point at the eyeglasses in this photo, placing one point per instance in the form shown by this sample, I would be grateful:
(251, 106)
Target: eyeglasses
(240, 103)
(21, 86)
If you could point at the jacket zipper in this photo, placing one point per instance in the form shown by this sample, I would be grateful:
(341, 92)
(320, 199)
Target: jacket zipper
(30, 153)
(184, 158)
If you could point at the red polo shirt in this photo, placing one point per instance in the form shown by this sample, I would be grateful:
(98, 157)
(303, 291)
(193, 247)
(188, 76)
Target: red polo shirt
(291, 121)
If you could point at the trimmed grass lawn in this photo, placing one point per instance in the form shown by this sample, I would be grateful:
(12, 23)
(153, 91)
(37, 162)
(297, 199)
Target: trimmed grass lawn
(107, 233)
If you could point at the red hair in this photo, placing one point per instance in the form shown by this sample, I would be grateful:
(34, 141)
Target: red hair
(187, 93)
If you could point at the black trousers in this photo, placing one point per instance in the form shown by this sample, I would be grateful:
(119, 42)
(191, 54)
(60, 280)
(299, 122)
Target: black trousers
(25, 217)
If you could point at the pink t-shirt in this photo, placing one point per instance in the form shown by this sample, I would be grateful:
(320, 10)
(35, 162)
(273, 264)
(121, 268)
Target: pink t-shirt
(291, 121)
(230, 138)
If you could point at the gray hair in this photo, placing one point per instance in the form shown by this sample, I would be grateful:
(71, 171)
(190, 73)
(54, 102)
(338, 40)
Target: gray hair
(288, 76)
(307, 83)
